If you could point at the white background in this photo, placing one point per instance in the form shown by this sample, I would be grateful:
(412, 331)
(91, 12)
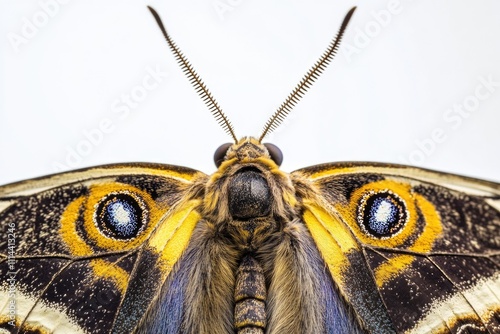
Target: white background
(372, 105)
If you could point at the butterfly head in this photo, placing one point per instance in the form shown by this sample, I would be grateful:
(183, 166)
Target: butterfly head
(248, 196)
(252, 168)
(248, 149)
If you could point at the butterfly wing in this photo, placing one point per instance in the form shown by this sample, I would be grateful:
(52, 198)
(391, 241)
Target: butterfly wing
(414, 247)
(87, 251)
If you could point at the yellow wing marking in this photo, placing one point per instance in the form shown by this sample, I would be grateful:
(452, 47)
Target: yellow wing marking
(332, 237)
(173, 235)
(69, 235)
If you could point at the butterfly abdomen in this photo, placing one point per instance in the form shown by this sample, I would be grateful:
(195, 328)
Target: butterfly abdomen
(250, 297)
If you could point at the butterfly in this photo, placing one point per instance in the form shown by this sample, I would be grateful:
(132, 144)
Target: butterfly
(332, 248)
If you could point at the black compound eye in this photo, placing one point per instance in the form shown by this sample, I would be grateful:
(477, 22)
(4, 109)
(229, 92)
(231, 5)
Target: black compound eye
(220, 153)
(382, 214)
(275, 153)
(121, 215)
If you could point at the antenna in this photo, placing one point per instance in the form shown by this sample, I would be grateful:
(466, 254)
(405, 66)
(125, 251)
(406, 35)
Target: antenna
(196, 81)
(279, 116)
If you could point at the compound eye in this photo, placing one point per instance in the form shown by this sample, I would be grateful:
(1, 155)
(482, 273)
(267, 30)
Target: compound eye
(121, 215)
(382, 214)
(275, 153)
(220, 154)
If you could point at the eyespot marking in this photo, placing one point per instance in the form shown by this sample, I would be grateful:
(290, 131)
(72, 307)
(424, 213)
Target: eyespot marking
(382, 214)
(121, 215)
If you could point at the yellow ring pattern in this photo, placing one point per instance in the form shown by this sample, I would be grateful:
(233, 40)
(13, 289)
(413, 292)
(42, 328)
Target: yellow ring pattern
(79, 247)
(422, 243)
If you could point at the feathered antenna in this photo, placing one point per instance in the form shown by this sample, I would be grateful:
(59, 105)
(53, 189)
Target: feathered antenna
(195, 80)
(306, 81)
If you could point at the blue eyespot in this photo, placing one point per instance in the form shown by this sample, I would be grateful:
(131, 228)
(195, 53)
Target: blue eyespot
(121, 215)
(382, 214)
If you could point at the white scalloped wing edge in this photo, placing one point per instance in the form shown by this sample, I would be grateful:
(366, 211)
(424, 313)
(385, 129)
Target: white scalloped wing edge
(49, 318)
(482, 299)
